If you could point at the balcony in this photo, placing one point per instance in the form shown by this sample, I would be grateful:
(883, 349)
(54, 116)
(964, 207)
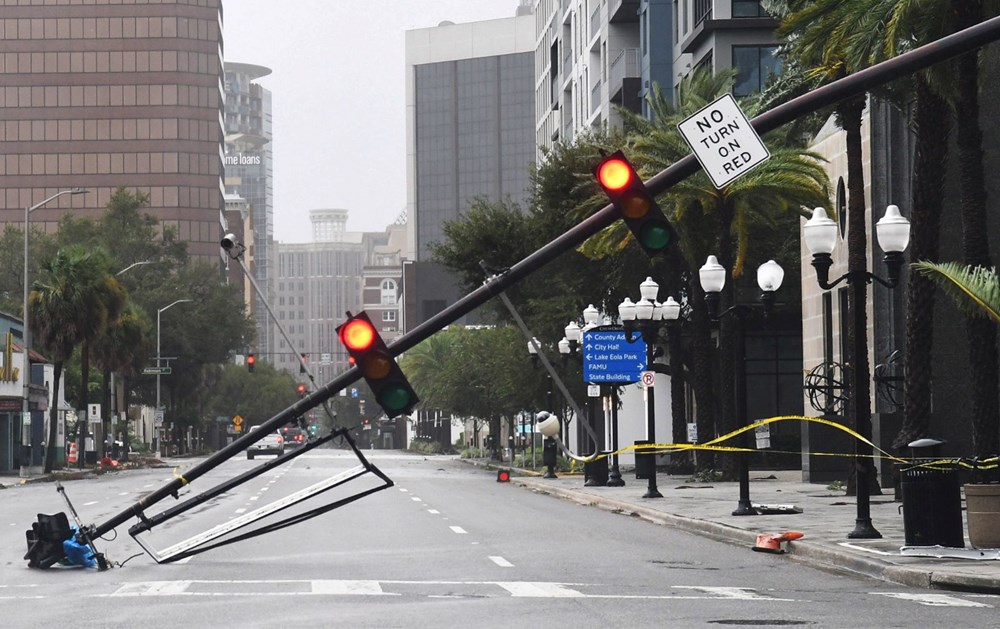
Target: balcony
(621, 11)
(625, 65)
(702, 11)
(595, 97)
(595, 21)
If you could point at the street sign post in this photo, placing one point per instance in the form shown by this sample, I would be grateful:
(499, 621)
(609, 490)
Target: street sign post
(723, 140)
(608, 357)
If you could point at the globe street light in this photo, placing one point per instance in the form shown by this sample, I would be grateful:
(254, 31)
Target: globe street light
(159, 410)
(713, 278)
(26, 337)
(646, 316)
(893, 234)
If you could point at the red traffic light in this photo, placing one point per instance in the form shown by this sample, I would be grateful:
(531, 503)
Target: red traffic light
(635, 203)
(370, 354)
(503, 476)
(251, 362)
(614, 174)
(301, 389)
(357, 335)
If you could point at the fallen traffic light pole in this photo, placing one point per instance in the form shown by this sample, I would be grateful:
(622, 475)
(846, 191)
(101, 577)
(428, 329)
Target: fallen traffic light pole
(855, 84)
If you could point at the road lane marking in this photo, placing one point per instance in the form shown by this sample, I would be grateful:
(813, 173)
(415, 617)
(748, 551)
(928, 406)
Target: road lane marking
(349, 588)
(241, 510)
(434, 511)
(500, 561)
(254, 497)
(92, 502)
(459, 530)
(403, 490)
(415, 499)
(124, 493)
(740, 594)
(867, 550)
(933, 600)
(530, 589)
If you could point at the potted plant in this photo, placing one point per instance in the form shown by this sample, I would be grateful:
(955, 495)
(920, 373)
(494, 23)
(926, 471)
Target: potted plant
(976, 291)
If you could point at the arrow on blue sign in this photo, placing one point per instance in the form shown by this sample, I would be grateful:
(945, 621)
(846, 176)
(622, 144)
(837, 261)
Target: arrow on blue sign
(608, 357)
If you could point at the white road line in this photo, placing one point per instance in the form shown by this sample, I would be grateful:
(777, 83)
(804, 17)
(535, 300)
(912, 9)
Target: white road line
(434, 511)
(92, 502)
(529, 589)
(403, 490)
(124, 493)
(741, 594)
(867, 550)
(933, 600)
(264, 488)
(355, 588)
(459, 530)
(500, 561)
(415, 499)
(254, 497)
(241, 510)
(153, 588)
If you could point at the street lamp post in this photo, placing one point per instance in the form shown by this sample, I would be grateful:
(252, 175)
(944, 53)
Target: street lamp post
(893, 234)
(646, 317)
(159, 429)
(26, 338)
(713, 278)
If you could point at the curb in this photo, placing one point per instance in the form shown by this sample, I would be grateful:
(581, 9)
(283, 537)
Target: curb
(801, 551)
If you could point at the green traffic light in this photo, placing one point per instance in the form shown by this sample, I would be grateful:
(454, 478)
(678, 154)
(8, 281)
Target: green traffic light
(655, 235)
(394, 397)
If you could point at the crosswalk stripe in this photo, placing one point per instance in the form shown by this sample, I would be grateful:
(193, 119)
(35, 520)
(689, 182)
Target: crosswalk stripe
(933, 600)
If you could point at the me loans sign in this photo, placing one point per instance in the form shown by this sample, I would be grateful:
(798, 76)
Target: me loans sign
(723, 141)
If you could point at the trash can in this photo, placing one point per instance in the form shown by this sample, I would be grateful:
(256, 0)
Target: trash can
(932, 502)
(645, 464)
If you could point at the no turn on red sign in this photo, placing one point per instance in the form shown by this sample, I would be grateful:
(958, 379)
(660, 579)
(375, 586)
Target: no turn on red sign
(724, 141)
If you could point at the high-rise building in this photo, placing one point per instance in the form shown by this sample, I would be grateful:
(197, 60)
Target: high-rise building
(470, 134)
(108, 94)
(248, 173)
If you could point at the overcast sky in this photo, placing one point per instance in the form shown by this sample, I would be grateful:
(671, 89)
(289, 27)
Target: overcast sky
(338, 98)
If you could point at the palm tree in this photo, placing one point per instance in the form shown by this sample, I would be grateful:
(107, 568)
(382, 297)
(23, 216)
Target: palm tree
(69, 304)
(975, 290)
(121, 350)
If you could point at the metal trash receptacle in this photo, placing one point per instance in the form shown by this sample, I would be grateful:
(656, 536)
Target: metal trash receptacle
(645, 464)
(932, 506)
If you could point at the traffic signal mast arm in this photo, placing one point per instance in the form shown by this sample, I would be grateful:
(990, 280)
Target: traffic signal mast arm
(851, 85)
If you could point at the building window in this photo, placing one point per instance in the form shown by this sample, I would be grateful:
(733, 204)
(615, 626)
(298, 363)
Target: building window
(388, 315)
(755, 67)
(388, 293)
(748, 8)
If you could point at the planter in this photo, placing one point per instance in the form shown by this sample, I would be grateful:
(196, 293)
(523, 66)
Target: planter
(982, 507)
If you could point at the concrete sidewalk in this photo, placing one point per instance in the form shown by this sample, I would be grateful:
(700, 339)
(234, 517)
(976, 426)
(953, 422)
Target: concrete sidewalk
(827, 517)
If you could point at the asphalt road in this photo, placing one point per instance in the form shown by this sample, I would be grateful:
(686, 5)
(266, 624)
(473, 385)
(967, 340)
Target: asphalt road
(447, 546)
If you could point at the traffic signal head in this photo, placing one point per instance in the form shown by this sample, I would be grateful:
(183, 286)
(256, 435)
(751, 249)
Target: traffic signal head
(635, 203)
(370, 354)
(301, 389)
(302, 362)
(251, 362)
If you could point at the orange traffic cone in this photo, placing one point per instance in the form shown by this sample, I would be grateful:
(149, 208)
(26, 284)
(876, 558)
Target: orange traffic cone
(771, 543)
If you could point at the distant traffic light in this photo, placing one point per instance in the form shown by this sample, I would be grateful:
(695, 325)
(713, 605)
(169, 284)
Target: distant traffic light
(302, 362)
(251, 362)
(369, 352)
(635, 203)
(301, 389)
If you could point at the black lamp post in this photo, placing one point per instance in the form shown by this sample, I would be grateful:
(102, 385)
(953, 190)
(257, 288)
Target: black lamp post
(713, 277)
(893, 234)
(645, 317)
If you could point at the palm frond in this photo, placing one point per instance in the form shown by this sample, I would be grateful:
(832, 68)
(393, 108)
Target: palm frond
(975, 290)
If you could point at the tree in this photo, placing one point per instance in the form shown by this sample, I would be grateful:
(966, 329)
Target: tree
(69, 303)
(975, 290)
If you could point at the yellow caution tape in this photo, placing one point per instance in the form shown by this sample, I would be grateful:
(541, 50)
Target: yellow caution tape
(713, 446)
(176, 475)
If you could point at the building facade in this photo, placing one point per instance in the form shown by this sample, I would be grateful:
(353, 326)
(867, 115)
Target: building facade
(470, 134)
(248, 173)
(110, 94)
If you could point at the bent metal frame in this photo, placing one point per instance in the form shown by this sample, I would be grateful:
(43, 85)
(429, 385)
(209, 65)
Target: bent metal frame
(855, 84)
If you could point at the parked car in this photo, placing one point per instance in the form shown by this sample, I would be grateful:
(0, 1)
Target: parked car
(272, 443)
(294, 436)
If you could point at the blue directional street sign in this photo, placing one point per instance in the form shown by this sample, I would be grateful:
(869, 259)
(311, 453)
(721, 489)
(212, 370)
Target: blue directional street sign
(609, 358)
